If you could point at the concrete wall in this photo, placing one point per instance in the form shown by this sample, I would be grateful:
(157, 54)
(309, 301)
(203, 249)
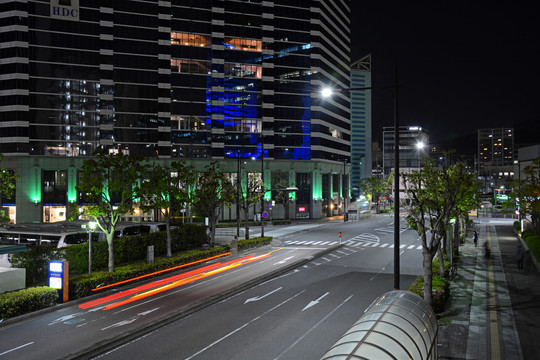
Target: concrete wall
(12, 279)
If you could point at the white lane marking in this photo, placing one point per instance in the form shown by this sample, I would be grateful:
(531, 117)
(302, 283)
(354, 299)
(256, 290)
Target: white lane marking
(17, 348)
(243, 326)
(315, 302)
(402, 246)
(313, 328)
(419, 248)
(411, 247)
(384, 245)
(257, 298)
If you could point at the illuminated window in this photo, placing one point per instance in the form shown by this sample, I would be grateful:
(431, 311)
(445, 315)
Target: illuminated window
(190, 66)
(242, 44)
(180, 122)
(188, 39)
(243, 70)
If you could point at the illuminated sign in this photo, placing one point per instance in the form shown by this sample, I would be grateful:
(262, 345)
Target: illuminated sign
(59, 278)
(65, 9)
(56, 267)
(55, 282)
(301, 209)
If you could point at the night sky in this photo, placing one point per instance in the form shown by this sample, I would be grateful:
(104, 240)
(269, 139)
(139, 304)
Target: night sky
(462, 66)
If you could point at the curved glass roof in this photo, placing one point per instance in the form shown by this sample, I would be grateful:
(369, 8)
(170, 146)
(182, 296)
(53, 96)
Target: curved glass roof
(399, 325)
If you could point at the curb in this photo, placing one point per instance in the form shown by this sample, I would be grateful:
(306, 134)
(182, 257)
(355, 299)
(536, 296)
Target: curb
(99, 348)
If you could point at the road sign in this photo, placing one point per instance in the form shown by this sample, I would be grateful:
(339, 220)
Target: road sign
(265, 215)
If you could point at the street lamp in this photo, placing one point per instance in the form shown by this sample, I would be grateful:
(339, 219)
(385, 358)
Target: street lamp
(326, 92)
(91, 226)
(419, 146)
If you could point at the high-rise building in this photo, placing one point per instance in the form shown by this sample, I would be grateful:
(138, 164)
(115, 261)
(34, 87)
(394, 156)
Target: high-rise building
(198, 80)
(413, 141)
(360, 122)
(496, 157)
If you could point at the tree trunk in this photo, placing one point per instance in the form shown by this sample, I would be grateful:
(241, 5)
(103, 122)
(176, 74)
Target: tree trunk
(428, 277)
(110, 242)
(441, 261)
(246, 215)
(169, 239)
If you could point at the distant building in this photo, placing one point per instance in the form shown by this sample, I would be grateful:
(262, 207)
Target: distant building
(360, 122)
(413, 141)
(495, 159)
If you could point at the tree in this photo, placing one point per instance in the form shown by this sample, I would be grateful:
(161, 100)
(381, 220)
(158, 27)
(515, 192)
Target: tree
(108, 184)
(250, 194)
(7, 188)
(376, 188)
(526, 192)
(164, 187)
(280, 180)
(437, 194)
(214, 191)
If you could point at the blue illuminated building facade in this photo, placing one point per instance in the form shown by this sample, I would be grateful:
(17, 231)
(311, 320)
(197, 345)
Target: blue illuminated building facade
(197, 80)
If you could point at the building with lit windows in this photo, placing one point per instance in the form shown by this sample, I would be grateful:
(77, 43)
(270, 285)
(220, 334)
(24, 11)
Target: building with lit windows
(361, 159)
(413, 141)
(196, 80)
(496, 157)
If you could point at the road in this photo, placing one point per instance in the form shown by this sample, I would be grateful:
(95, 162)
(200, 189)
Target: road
(296, 315)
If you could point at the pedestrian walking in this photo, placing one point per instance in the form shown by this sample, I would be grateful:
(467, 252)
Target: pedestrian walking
(527, 260)
(520, 254)
(475, 238)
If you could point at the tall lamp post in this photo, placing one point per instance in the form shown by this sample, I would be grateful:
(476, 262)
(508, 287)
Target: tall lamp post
(328, 92)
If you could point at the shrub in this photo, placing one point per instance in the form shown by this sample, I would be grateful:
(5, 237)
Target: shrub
(533, 243)
(525, 234)
(27, 300)
(517, 226)
(440, 288)
(436, 269)
(281, 222)
(36, 262)
(251, 243)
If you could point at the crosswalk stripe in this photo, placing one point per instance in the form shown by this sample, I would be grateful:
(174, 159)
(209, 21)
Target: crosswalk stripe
(402, 246)
(384, 245)
(419, 248)
(411, 247)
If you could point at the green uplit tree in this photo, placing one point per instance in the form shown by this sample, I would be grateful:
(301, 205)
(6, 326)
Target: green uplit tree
(163, 188)
(280, 180)
(108, 184)
(214, 191)
(526, 193)
(437, 195)
(250, 194)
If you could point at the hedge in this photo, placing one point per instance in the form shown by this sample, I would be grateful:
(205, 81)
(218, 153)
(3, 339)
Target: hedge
(256, 242)
(23, 301)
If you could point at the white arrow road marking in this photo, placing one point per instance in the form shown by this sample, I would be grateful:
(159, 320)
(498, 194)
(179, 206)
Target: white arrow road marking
(129, 321)
(257, 298)
(284, 260)
(315, 302)
(65, 318)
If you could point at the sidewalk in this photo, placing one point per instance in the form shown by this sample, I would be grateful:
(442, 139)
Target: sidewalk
(493, 310)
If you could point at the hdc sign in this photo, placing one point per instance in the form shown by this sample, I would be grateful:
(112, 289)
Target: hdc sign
(65, 9)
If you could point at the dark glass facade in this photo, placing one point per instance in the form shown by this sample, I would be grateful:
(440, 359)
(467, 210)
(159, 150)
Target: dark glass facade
(189, 79)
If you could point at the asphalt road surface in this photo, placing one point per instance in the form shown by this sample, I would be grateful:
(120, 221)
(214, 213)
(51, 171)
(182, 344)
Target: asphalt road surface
(296, 312)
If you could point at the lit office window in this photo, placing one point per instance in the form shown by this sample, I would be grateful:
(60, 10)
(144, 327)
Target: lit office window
(243, 70)
(190, 66)
(179, 38)
(242, 44)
